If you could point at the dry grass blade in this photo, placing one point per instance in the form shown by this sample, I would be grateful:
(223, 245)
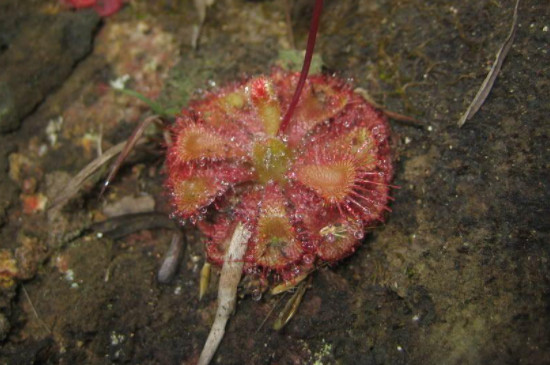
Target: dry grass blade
(42, 323)
(76, 182)
(291, 307)
(230, 277)
(124, 148)
(487, 85)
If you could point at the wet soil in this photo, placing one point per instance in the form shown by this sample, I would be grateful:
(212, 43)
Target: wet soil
(458, 274)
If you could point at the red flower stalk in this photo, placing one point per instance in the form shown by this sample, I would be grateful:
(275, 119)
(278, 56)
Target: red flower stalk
(102, 7)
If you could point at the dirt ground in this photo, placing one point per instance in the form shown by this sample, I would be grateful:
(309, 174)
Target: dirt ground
(459, 273)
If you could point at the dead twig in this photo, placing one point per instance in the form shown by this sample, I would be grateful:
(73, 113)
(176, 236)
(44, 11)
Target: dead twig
(487, 85)
(392, 115)
(270, 313)
(128, 147)
(77, 181)
(117, 227)
(405, 119)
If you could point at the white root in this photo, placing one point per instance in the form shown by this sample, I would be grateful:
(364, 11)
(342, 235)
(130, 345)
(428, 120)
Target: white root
(227, 292)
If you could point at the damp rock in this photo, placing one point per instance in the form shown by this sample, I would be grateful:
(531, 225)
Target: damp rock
(38, 58)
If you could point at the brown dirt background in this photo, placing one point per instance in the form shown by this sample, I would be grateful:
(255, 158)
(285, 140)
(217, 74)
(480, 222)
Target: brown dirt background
(459, 274)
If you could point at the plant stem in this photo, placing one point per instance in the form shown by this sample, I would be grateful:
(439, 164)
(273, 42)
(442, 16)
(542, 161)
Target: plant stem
(313, 28)
(227, 292)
